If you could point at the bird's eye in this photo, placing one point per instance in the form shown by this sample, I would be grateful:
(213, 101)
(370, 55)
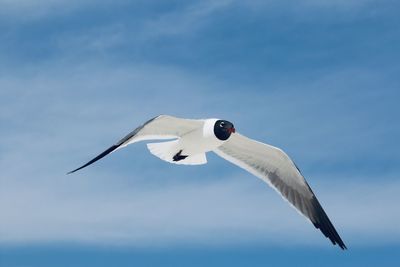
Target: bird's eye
(221, 124)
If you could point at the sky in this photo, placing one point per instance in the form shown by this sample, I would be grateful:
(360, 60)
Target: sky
(318, 79)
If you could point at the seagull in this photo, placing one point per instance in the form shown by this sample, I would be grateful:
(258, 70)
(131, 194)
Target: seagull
(189, 140)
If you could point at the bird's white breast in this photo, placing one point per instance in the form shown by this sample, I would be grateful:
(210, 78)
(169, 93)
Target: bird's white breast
(201, 140)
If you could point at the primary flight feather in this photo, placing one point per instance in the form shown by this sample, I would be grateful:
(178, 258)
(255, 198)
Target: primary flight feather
(193, 138)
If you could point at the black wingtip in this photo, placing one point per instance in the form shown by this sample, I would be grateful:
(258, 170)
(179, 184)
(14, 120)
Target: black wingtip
(325, 225)
(342, 245)
(105, 153)
(112, 148)
(74, 170)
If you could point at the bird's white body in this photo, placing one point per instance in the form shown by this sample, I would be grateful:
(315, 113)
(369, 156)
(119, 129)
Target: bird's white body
(193, 144)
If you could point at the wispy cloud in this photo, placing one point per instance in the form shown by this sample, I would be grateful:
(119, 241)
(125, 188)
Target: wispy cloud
(30, 10)
(27, 9)
(184, 21)
(229, 211)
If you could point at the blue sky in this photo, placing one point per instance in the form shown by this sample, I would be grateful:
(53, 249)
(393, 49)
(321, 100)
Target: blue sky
(318, 79)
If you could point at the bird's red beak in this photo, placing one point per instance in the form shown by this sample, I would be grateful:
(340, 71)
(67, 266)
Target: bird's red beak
(232, 130)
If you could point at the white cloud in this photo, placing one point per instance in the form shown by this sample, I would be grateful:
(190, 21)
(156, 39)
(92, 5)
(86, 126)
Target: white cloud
(339, 5)
(22, 10)
(147, 27)
(183, 21)
(174, 21)
(26, 10)
(226, 211)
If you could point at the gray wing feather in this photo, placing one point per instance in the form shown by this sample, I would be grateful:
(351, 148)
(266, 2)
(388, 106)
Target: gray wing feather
(274, 167)
(160, 127)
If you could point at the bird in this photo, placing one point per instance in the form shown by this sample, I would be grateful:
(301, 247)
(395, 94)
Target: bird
(188, 141)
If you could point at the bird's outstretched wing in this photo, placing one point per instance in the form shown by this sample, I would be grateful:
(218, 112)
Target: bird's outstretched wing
(274, 167)
(160, 127)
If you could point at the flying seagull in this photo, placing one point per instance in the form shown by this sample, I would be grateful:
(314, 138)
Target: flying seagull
(191, 139)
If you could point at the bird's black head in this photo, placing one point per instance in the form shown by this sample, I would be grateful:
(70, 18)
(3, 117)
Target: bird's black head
(223, 129)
